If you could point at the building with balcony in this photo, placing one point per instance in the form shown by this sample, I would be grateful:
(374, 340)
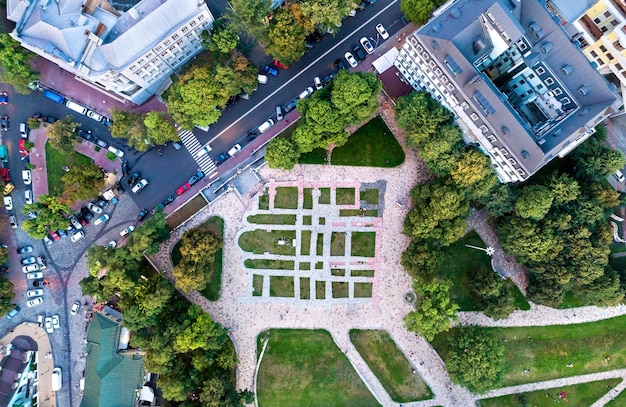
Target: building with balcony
(129, 54)
(519, 87)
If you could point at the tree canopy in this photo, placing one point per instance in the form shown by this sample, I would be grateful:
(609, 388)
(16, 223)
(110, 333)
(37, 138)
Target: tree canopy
(198, 248)
(15, 64)
(6, 295)
(82, 183)
(434, 310)
(51, 215)
(281, 153)
(61, 135)
(158, 129)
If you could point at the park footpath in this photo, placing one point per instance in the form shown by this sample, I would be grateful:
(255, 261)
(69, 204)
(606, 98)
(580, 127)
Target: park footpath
(246, 319)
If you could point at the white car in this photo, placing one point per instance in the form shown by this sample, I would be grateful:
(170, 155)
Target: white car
(318, 83)
(30, 268)
(381, 30)
(40, 320)
(94, 208)
(34, 301)
(75, 308)
(204, 151)
(76, 236)
(28, 196)
(350, 58)
(48, 325)
(306, 93)
(34, 276)
(127, 230)
(8, 202)
(140, 185)
(55, 321)
(367, 45)
(34, 293)
(116, 151)
(101, 219)
(95, 116)
(111, 244)
(27, 177)
(236, 148)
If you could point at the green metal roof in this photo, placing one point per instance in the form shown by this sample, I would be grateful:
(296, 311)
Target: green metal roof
(111, 379)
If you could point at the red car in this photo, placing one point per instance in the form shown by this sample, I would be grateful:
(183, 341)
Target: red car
(280, 65)
(183, 188)
(4, 172)
(55, 236)
(23, 150)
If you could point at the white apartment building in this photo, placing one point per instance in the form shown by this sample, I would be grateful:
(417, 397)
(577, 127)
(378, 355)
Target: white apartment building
(131, 54)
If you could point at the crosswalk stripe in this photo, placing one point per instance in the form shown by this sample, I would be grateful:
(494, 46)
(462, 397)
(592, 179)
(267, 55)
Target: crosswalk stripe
(192, 145)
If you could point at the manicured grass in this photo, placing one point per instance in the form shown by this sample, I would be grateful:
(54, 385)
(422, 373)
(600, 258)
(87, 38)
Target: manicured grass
(340, 289)
(320, 290)
(319, 246)
(358, 212)
(186, 211)
(338, 244)
(269, 264)
(305, 242)
(305, 368)
(307, 220)
(281, 286)
(362, 290)
(307, 197)
(344, 196)
(211, 292)
(286, 198)
(390, 365)
(304, 266)
(257, 285)
(264, 201)
(55, 161)
(618, 248)
(260, 241)
(584, 394)
(337, 272)
(319, 265)
(317, 156)
(273, 219)
(362, 273)
(321, 220)
(546, 351)
(370, 196)
(324, 198)
(363, 244)
(373, 145)
(305, 288)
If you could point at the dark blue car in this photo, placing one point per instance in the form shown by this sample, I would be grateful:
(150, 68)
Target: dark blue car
(272, 71)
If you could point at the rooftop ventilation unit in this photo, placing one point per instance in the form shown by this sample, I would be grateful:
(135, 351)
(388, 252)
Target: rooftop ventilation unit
(455, 13)
(567, 69)
(584, 90)
(546, 47)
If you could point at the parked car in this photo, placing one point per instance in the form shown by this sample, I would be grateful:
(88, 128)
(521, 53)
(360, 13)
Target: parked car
(100, 143)
(4, 123)
(34, 301)
(29, 260)
(74, 222)
(183, 188)
(34, 293)
(8, 188)
(30, 268)
(54, 236)
(28, 196)
(195, 178)
(87, 214)
(75, 308)
(25, 250)
(134, 178)
(94, 208)
(234, 150)
(356, 49)
(139, 186)
(125, 167)
(116, 151)
(367, 45)
(111, 244)
(168, 200)
(127, 230)
(290, 106)
(61, 232)
(350, 58)
(270, 70)
(318, 83)
(40, 319)
(280, 65)
(47, 240)
(95, 116)
(81, 220)
(381, 30)
(339, 64)
(48, 325)
(84, 134)
(23, 130)
(77, 236)
(141, 215)
(101, 219)
(8, 202)
(4, 98)
(13, 312)
(222, 158)
(34, 275)
(279, 114)
(55, 322)
(13, 221)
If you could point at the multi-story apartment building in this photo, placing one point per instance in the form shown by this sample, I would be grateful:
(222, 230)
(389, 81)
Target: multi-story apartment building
(131, 54)
(513, 78)
(600, 29)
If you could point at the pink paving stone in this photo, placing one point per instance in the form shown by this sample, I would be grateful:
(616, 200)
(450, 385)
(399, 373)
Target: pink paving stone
(339, 224)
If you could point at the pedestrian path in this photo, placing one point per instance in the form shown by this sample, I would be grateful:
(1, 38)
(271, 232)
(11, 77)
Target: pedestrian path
(192, 145)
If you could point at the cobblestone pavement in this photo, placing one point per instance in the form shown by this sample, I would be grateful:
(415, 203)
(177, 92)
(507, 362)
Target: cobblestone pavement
(246, 320)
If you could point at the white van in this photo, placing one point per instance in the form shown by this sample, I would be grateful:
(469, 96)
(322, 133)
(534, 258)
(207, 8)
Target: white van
(57, 379)
(23, 130)
(619, 176)
(266, 126)
(262, 79)
(76, 107)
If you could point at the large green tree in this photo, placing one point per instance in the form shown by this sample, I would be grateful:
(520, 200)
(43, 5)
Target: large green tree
(15, 64)
(221, 39)
(476, 359)
(61, 135)
(130, 126)
(421, 116)
(6, 295)
(281, 153)
(286, 38)
(51, 215)
(355, 95)
(82, 183)
(434, 310)
(250, 17)
(534, 202)
(198, 248)
(594, 159)
(474, 174)
(158, 129)
(326, 15)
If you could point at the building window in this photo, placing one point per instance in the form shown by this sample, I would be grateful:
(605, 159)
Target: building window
(540, 86)
(158, 48)
(174, 36)
(602, 48)
(607, 14)
(193, 23)
(609, 56)
(557, 91)
(565, 101)
(514, 86)
(618, 45)
(593, 54)
(604, 28)
(167, 42)
(540, 70)
(614, 23)
(522, 81)
(184, 29)
(549, 81)
(618, 67)
(597, 20)
(531, 76)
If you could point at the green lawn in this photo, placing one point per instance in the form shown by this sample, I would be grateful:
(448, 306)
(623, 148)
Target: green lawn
(362, 290)
(584, 394)
(257, 285)
(305, 368)
(307, 196)
(286, 198)
(362, 273)
(305, 242)
(324, 198)
(281, 286)
(358, 212)
(546, 351)
(269, 264)
(390, 365)
(363, 244)
(260, 241)
(618, 401)
(458, 265)
(54, 167)
(340, 289)
(319, 244)
(320, 290)
(267, 219)
(186, 211)
(344, 196)
(373, 145)
(264, 201)
(317, 156)
(370, 196)
(338, 244)
(305, 288)
(211, 292)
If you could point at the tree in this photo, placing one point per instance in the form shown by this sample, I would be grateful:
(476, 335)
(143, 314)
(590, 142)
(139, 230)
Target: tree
(286, 38)
(594, 159)
(534, 202)
(418, 11)
(500, 201)
(422, 259)
(6, 296)
(245, 74)
(82, 183)
(421, 116)
(158, 129)
(281, 153)
(198, 249)
(434, 310)
(250, 16)
(33, 123)
(355, 95)
(476, 359)
(325, 15)
(564, 188)
(130, 126)
(442, 150)
(4, 254)
(61, 135)
(474, 174)
(221, 39)
(147, 238)
(529, 241)
(51, 215)
(15, 64)
(202, 334)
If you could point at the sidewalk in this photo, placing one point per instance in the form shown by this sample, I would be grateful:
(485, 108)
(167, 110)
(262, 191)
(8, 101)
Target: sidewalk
(38, 160)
